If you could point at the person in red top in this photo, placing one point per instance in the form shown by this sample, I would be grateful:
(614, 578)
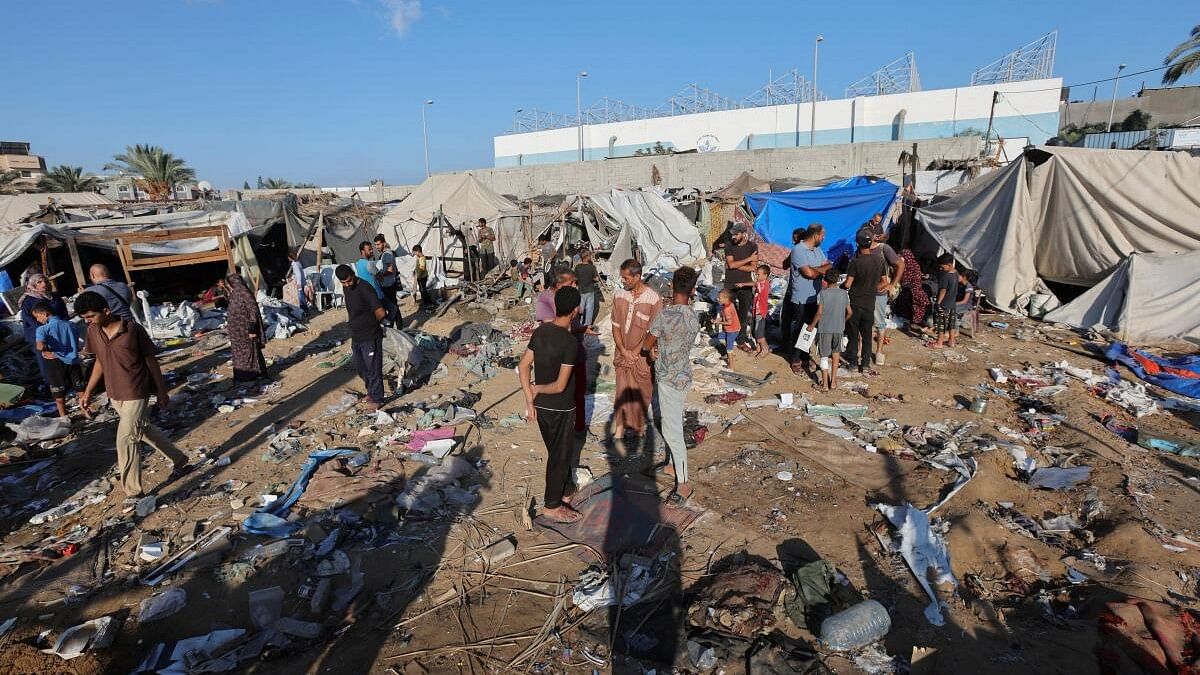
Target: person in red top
(762, 296)
(728, 325)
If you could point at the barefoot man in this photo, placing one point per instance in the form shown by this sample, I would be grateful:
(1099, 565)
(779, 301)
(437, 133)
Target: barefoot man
(547, 372)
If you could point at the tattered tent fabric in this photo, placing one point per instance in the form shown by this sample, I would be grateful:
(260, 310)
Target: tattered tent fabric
(462, 199)
(1149, 297)
(665, 237)
(16, 208)
(738, 187)
(842, 207)
(1068, 215)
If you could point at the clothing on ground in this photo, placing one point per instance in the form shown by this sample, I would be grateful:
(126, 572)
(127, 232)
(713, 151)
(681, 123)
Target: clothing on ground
(122, 360)
(553, 347)
(361, 303)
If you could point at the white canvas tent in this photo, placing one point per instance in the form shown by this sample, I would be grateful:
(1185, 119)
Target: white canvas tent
(663, 235)
(1068, 215)
(15, 208)
(1149, 297)
(461, 199)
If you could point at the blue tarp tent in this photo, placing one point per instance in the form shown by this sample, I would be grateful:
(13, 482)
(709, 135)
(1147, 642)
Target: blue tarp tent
(842, 207)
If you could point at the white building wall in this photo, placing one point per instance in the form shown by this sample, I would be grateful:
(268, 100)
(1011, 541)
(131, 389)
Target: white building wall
(1024, 109)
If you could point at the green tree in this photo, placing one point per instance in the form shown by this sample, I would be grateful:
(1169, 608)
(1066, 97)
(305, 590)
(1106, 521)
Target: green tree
(1136, 121)
(160, 171)
(1073, 133)
(276, 184)
(307, 186)
(1184, 59)
(63, 178)
(10, 182)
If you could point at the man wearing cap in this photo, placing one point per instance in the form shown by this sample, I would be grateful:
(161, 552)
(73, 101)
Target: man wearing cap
(741, 259)
(895, 270)
(864, 279)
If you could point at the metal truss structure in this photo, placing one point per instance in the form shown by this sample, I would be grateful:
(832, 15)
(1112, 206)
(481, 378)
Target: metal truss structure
(898, 77)
(1034, 61)
(791, 87)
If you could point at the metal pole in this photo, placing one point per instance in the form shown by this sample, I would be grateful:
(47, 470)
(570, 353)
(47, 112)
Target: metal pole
(1112, 107)
(517, 121)
(796, 92)
(579, 109)
(812, 124)
(425, 134)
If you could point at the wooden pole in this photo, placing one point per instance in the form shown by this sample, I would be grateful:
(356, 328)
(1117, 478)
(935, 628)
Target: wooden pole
(80, 280)
(320, 240)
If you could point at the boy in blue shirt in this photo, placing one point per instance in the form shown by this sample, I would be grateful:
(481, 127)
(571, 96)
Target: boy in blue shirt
(58, 346)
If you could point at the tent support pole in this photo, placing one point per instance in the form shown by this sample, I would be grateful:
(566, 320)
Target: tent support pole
(80, 280)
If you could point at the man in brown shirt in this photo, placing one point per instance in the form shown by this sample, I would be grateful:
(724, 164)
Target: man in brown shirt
(127, 361)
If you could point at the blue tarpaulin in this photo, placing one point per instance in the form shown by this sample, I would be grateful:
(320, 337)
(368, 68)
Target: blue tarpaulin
(1180, 375)
(842, 207)
(271, 520)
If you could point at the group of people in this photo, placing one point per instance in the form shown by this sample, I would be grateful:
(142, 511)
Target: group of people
(652, 343)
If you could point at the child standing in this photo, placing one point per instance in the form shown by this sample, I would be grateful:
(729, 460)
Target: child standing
(58, 346)
(517, 278)
(833, 309)
(728, 325)
(945, 318)
(762, 297)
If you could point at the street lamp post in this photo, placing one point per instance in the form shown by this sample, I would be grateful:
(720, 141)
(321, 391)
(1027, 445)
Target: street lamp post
(812, 123)
(1112, 107)
(516, 120)
(579, 109)
(425, 133)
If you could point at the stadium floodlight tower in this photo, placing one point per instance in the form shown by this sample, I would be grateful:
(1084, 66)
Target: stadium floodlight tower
(1034, 61)
(898, 77)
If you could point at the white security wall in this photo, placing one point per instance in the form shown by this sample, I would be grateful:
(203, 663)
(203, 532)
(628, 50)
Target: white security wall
(1024, 109)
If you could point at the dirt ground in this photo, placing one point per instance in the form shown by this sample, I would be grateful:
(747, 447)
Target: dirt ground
(430, 602)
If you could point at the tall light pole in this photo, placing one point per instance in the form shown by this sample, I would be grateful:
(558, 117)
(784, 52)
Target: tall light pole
(425, 133)
(1112, 107)
(516, 120)
(812, 123)
(579, 109)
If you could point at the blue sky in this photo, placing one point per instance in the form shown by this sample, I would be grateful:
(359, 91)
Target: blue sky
(330, 91)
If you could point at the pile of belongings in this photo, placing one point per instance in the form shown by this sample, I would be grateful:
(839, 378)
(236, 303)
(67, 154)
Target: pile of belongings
(280, 319)
(169, 321)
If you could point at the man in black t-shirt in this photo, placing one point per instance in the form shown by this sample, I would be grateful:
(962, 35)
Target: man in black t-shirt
(864, 280)
(364, 312)
(741, 259)
(547, 372)
(587, 281)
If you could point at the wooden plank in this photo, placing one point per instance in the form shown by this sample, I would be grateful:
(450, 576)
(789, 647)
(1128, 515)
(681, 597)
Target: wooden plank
(80, 280)
(178, 260)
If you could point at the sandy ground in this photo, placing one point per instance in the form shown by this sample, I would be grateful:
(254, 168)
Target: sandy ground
(428, 589)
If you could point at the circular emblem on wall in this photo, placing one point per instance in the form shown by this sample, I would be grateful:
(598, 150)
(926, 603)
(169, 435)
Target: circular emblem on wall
(708, 143)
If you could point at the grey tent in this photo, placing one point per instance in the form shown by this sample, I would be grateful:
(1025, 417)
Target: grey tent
(1149, 297)
(1068, 215)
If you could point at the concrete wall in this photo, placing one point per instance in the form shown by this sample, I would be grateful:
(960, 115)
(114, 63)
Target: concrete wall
(1025, 109)
(1174, 105)
(713, 170)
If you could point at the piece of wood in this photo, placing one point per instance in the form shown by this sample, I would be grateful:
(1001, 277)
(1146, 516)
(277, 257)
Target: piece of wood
(80, 280)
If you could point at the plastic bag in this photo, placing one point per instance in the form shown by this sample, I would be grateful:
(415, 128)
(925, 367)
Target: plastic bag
(38, 428)
(804, 341)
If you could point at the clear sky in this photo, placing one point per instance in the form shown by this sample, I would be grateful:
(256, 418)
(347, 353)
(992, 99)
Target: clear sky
(330, 91)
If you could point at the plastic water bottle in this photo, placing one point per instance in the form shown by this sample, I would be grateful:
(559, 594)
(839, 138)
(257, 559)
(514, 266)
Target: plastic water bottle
(856, 627)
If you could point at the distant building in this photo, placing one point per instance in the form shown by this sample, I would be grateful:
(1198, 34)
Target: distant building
(16, 156)
(125, 188)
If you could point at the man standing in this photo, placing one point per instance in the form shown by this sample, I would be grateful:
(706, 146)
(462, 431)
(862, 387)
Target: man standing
(547, 371)
(547, 252)
(787, 317)
(127, 362)
(741, 259)
(634, 308)
(588, 279)
(387, 278)
(487, 245)
(115, 293)
(363, 267)
(543, 309)
(808, 268)
(298, 275)
(422, 277)
(864, 279)
(364, 312)
(895, 270)
(671, 336)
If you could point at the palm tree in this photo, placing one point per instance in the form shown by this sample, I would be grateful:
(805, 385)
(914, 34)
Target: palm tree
(1184, 59)
(9, 182)
(160, 171)
(65, 178)
(276, 184)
